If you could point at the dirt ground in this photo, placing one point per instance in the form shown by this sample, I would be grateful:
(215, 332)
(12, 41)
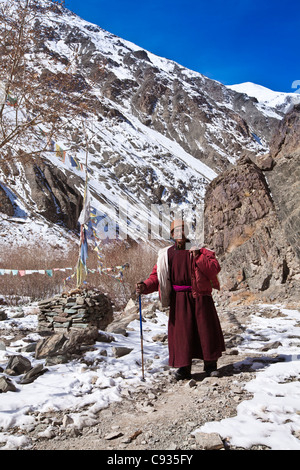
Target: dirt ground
(162, 415)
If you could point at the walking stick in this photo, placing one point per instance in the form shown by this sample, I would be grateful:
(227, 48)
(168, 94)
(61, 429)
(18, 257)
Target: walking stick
(141, 332)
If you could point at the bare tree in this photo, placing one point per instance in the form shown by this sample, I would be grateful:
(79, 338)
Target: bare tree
(37, 104)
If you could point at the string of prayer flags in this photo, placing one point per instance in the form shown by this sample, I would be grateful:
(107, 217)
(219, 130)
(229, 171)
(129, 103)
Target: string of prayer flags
(81, 272)
(83, 245)
(84, 216)
(116, 272)
(69, 278)
(11, 101)
(75, 163)
(24, 272)
(60, 153)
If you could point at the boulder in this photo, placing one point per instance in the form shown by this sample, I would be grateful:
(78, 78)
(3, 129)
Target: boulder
(119, 351)
(50, 346)
(104, 337)
(209, 441)
(119, 325)
(6, 385)
(78, 339)
(18, 365)
(3, 315)
(131, 308)
(33, 374)
(64, 345)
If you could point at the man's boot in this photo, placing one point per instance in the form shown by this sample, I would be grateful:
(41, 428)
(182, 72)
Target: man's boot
(183, 373)
(210, 367)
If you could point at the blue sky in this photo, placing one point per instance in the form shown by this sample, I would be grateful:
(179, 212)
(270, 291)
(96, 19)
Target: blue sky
(232, 41)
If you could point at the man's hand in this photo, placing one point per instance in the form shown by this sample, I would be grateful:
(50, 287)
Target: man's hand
(195, 251)
(140, 288)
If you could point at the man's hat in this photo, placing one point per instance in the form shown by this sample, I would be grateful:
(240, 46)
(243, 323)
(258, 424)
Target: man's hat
(179, 223)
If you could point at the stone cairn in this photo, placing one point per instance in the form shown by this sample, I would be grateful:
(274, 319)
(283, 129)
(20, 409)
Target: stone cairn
(71, 323)
(77, 309)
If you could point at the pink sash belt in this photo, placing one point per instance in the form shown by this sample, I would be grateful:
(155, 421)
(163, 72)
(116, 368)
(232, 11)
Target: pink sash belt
(182, 288)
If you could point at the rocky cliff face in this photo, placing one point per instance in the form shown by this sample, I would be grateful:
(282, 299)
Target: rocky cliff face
(54, 194)
(284, 179)
(46, 192)
(252, 219)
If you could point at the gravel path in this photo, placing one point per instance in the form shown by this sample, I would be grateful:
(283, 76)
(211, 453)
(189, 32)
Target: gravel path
(161, 414)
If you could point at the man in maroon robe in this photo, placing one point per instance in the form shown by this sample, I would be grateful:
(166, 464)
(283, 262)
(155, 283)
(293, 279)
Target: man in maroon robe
(194, 330)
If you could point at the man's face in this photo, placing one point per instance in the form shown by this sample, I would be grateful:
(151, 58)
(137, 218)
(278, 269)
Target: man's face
(179, 236)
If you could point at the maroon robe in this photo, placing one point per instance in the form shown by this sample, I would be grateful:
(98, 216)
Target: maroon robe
(194, 330)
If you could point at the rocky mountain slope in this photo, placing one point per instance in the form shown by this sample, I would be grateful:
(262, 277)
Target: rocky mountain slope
(153, 134)
(158, 133)
(252, 219)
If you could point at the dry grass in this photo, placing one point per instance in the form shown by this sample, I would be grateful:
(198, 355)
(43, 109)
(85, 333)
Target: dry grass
(33, 286)
(140, 257)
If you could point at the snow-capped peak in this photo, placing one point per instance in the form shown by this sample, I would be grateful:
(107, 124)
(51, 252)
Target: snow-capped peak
(274, 99)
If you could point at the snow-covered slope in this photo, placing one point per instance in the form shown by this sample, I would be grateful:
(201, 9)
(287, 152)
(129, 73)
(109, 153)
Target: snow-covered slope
(158, 133)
